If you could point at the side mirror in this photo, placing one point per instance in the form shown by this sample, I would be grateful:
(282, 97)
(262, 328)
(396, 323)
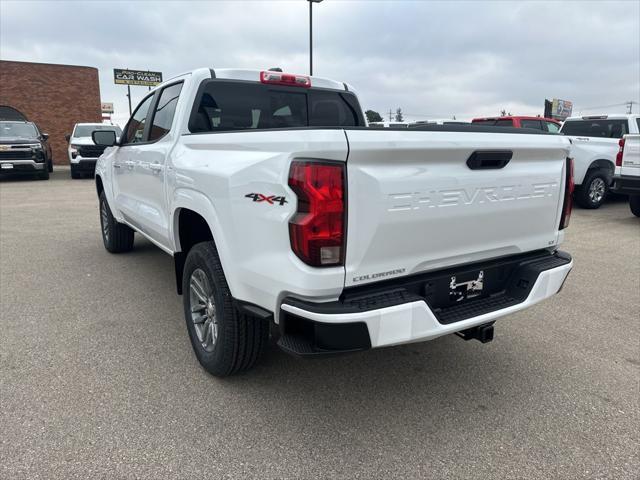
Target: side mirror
(45, 136)
(104, 138)
(67, 137)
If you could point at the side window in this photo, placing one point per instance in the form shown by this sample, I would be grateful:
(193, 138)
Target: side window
(165, 111)
(503, 123)
(618, 129)
(553, 127)
(537, 124)
(135, 127)
(638, 122)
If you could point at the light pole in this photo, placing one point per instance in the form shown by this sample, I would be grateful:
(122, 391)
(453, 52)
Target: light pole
(311, 2)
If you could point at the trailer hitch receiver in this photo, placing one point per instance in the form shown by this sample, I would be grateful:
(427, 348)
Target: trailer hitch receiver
(483, 333)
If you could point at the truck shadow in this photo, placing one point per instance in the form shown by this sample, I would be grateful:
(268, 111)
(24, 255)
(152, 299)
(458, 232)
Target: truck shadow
(417, 383)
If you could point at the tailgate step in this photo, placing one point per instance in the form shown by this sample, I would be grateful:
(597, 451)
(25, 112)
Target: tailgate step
(474, 308)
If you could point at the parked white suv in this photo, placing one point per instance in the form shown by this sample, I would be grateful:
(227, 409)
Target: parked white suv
(594, 148)
(83, 153)
(280, 207)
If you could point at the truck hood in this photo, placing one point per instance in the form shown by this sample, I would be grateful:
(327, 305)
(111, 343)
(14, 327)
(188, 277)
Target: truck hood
(81, 141)
(15, 140)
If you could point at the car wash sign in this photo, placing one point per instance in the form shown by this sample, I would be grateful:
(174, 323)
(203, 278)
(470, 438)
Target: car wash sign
(123, 76)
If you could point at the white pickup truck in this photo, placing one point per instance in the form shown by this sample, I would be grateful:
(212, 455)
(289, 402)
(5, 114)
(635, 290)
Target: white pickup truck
(594, 148)
(626, 179)
(284, 212)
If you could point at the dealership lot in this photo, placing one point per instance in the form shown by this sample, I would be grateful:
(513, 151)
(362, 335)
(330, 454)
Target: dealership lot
(97, 376)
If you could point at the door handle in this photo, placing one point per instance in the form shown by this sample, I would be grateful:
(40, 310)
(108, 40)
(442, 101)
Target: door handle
(485, 160)
(117, 165)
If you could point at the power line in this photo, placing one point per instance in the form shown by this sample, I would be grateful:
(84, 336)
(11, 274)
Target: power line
(605, 106)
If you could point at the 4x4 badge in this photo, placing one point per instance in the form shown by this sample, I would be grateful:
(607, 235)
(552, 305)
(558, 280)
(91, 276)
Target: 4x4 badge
(270, 199)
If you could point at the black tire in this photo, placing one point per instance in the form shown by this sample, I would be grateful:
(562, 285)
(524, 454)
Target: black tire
(588, 194)
(634, 204)
(44, 175)
(50, 166)
(117, 237)
(241, 339)
(75, 175)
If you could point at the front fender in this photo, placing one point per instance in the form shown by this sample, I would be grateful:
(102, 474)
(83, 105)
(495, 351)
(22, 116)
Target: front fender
(104, 172)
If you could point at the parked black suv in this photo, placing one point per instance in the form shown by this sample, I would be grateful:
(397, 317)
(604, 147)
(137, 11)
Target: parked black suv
(23, 149)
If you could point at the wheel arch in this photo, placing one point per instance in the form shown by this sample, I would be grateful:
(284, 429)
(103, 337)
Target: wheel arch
(194, 220)
(602, 164)
(99, 185)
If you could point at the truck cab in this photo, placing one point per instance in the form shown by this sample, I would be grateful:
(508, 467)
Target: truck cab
(518, 121)
(595, 144)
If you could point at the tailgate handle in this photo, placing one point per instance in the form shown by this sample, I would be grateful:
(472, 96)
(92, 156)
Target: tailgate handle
(486, 160)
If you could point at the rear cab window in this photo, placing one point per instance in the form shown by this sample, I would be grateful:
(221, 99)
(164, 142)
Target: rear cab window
(488, 121)
(536, 124)
(230, 105)
(503, 123)
(602, 128)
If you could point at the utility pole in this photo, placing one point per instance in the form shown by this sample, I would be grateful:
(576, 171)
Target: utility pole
(129, 97)
(311, 2)
(630, 106)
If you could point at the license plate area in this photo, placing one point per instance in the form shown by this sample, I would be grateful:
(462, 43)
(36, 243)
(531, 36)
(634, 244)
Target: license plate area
(461, 291)
(459, 287)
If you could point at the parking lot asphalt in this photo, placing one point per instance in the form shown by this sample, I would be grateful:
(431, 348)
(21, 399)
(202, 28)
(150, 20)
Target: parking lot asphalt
(98, 379)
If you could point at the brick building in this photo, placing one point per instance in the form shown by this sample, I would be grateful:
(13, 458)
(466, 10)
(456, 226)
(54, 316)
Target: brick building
(55, 97)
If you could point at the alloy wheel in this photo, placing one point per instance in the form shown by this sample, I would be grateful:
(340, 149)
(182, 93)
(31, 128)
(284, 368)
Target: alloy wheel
(202, 306)
(104, 218)
(597, 190)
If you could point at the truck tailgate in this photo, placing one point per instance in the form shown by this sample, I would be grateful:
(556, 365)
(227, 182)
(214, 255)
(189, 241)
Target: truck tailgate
(415, 205)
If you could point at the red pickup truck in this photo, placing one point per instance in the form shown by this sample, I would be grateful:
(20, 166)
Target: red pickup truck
(538, 123)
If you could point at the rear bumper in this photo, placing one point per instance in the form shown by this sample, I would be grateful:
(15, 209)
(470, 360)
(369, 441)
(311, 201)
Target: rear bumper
(21, 166)
(414, 320)
(626, 184)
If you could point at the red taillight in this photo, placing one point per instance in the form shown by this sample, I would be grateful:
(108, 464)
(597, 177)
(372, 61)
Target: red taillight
(317, 230)
(279, 78)
(569, 186)
(620, 153)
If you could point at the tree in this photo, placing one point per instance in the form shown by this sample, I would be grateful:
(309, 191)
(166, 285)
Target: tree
(373, 116)
(399, 117)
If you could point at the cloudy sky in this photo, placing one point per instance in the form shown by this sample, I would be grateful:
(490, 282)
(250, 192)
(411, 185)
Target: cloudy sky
(431, 58)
